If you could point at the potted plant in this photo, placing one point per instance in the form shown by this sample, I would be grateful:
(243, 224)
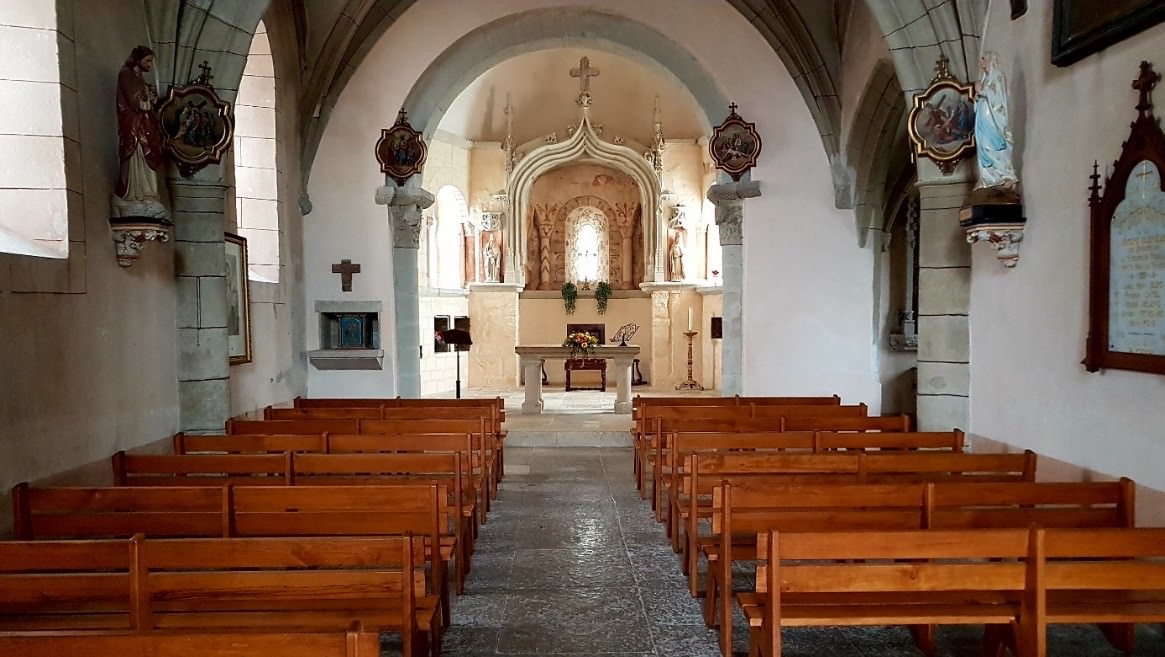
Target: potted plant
(602, 295)
(569, 296)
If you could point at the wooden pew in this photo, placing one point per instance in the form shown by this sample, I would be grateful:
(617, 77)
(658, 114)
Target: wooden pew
(640, 415)
(202, 469)
(1114, 577)
(726, 419)
(742, 512)
(249, 444)
(969, 577)
(836, 423)
(668, 458)
(702, 472)
(355, 642)
(269, 584)
(334, 425)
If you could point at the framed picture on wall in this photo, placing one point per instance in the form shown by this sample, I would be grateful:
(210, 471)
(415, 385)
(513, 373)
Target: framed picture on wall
(238, 301)
(1083, 27)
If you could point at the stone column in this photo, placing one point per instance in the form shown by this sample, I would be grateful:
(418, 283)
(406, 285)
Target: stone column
(204, 402)
(404, 210)
(493, 314)
(944, 298)
(729, 201)
(622, 367)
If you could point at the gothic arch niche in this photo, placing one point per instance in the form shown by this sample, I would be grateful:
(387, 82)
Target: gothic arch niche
(611, 199)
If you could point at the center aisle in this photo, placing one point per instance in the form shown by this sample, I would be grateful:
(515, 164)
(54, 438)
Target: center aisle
(572, 562)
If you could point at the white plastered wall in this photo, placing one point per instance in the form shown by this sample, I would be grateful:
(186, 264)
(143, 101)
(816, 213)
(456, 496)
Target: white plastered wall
(807, 327)
(87, 354)
(1028, 324)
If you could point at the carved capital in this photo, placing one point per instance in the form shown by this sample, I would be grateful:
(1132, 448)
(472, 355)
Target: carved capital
(729, 201)
(129, 238)
(405, 206)
(1004, 239)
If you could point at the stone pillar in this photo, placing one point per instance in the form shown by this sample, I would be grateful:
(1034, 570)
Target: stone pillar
(944, 298)
(404, 210)
(729, 201)
(493, 315)
(204, 402)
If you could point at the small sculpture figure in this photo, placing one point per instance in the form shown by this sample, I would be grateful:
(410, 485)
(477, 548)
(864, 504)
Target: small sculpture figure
(491, 257)
(139, 140)
(676, 255)
(997, 176)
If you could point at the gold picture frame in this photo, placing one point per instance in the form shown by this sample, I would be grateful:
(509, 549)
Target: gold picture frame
(941, 124)
(238, 300)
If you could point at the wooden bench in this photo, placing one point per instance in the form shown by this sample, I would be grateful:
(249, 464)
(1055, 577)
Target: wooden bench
(1114, 577)
(355, 642)
(702, 472)
(658, 421)
(586, 364)
(248, 511)
(296, 584)
(741, 512)
(249, 443)
(310, 426)
(916, 578)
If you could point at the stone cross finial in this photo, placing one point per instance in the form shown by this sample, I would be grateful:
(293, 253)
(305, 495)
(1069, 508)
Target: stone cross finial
(584, 73)
(206, 77)
(1144, 84)
(345, 269)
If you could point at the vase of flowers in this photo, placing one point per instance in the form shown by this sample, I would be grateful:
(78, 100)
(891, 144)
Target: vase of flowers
(580, 343)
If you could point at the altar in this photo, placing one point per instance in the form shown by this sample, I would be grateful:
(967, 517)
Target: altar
(531, 356)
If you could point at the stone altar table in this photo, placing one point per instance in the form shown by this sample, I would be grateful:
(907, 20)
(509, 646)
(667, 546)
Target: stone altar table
(531, 363)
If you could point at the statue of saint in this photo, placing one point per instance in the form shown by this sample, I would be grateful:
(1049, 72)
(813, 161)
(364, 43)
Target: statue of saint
(993, 140)
(676, 256)
(139, 140)
(491, 256)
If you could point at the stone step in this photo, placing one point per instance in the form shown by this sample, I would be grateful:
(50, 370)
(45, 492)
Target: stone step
(550, 438)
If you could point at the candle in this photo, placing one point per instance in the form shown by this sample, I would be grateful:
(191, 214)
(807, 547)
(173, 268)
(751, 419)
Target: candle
(689, 319)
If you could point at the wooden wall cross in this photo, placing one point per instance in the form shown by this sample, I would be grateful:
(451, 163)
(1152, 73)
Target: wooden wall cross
(345, 269)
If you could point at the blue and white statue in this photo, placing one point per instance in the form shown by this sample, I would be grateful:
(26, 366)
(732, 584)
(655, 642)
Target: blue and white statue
(993, 140)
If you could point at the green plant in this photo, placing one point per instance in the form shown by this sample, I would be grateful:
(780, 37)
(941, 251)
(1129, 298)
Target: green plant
(602, 295)
(569, 297)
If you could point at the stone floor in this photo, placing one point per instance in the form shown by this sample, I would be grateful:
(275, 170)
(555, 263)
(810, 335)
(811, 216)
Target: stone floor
(572, 562)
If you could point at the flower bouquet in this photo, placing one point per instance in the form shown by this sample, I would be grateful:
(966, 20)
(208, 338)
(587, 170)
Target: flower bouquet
(580, 343)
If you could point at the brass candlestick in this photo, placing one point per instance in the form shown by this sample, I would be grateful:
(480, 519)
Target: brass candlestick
(690, 384)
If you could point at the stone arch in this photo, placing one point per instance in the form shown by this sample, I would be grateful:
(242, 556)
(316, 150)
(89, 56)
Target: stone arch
(918, 33)
(876, 143)
(583, 146)
(580, 201)
(542, 29)
(185, 34)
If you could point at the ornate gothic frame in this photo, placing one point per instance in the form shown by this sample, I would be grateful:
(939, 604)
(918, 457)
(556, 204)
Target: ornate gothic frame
(584, 146)
(1145, 142)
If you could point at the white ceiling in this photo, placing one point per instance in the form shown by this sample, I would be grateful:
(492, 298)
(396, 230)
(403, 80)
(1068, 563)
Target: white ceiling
(544, 95)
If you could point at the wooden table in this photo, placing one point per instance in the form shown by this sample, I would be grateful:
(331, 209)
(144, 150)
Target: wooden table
(593, 364)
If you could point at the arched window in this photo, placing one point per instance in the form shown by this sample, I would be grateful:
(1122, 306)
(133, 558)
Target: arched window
(36, 139)
(714, 255)
(256, 181)
(452, 212)
(587, 245)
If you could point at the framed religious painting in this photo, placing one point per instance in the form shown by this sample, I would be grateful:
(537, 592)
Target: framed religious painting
(401, 151)
(1083, 27)
(238, 300)
(735, 145)
(1127, 254)
(941, 124)
(197, 125)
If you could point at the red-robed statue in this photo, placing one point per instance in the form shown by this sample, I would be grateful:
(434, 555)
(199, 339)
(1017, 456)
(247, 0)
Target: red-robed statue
(139, 140)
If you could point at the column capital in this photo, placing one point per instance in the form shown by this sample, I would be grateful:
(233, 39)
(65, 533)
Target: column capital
(729, 201)
(404, 208)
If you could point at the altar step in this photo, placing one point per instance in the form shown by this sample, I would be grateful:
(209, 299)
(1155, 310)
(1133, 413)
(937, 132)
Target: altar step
(534, 438)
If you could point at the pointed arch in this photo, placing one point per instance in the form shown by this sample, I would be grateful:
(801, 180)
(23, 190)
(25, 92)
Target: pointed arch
(876, 146)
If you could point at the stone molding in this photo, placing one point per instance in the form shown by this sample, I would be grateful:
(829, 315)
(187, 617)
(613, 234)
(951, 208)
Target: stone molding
(1004, 239)
(404, 207)
(729, 201)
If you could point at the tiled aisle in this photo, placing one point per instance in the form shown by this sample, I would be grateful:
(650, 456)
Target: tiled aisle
(572, 562)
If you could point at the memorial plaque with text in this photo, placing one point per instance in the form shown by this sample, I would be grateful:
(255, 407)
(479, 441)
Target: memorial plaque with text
(1137, 283)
